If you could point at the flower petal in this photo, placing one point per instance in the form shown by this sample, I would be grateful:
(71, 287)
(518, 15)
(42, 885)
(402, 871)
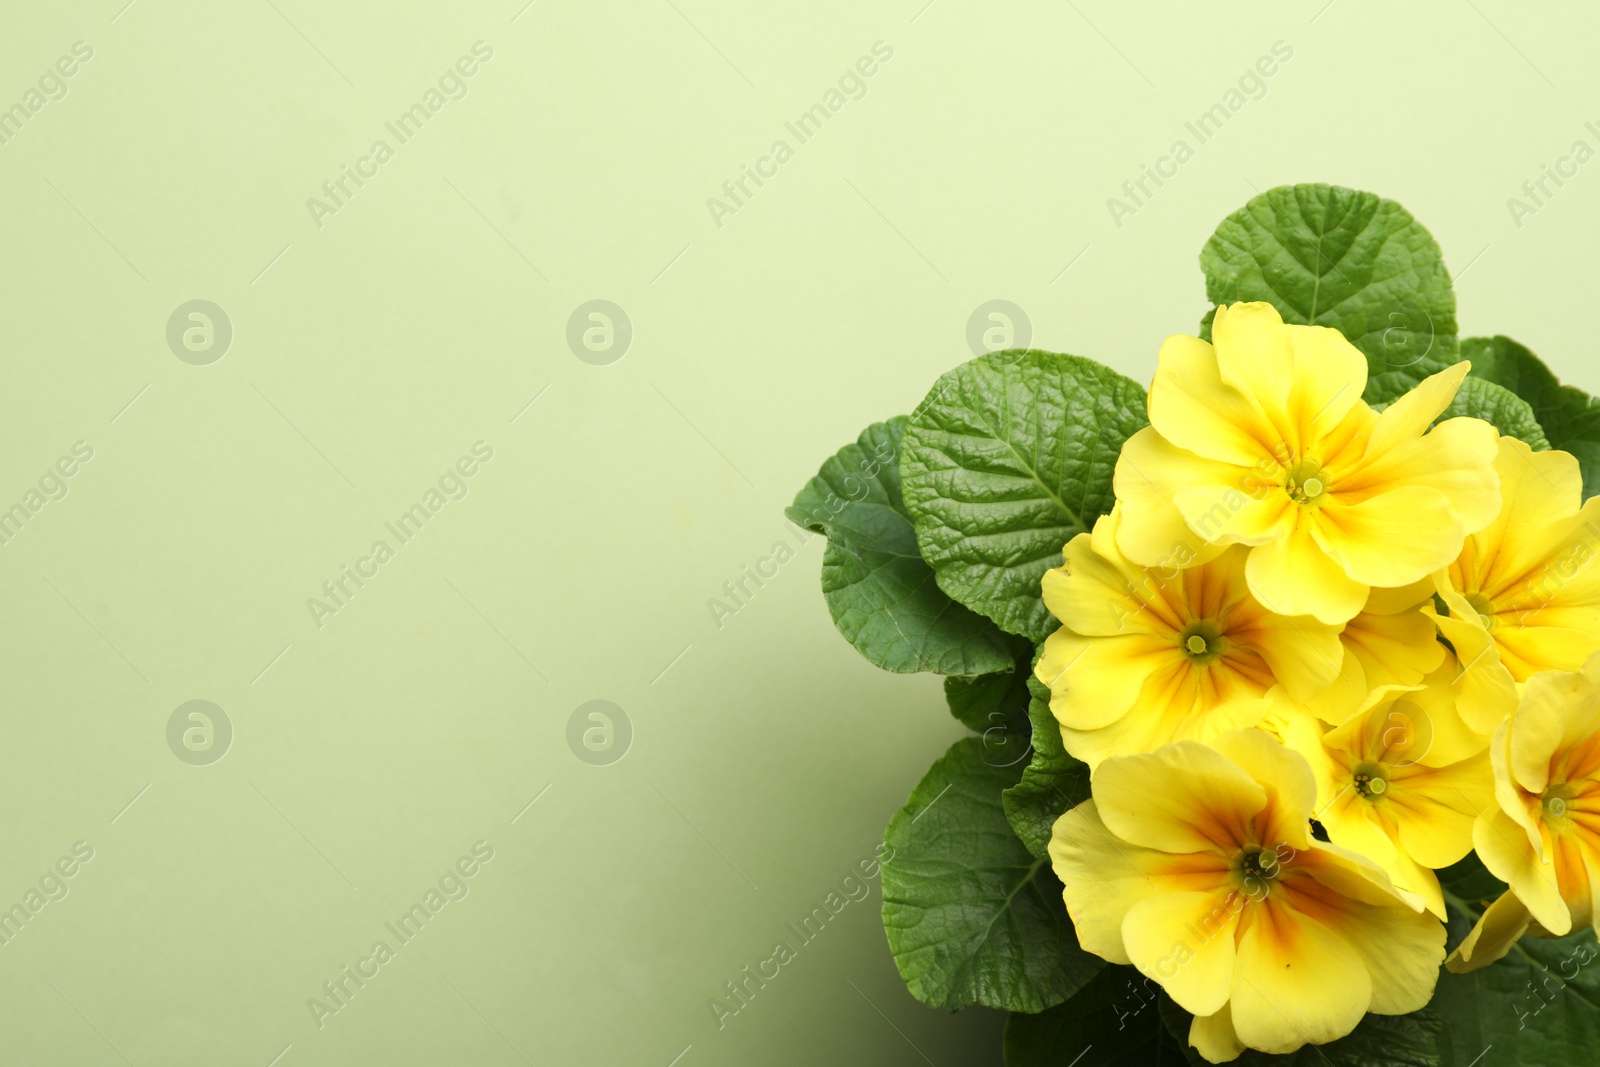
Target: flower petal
(1102, 878)
(1295, 576)
(1149, 471)
(1195, 409)
(1185, 942)
(1214, 1038)
(1184, 797)
(1096, 680)
(1510, 857)
(1390, 539)
(1408, 417)
(1295, 980)
(1498, 928)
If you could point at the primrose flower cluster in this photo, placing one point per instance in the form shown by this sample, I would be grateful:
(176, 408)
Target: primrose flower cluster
(1313, 654)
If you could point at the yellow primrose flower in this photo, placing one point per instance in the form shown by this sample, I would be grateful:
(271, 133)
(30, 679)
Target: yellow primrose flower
(1401, 782)
(1196, 865)
(1392, 642)
(1524, 595)
(1543, 837)
(1262, 439)
(1145, 656)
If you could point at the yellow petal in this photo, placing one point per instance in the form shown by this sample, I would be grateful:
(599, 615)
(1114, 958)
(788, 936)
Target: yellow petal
(1506, 852)
(1195, 409)
(1305, 655)
(1098, 593)
(1558, 709)
(1255, 356)
(1182, 798)
(1528, 649)
(1095, 680)
(1434, 808)
(1249, 514)
(1485, 691)
(1408, 417)
(1290, 785)
(1185, 942)
(1393, 538)
(1149, 471)
(1102, 878)
(1159, 718)
(1402, 950)
(1395, 648)
(1214, 1038)
(1540, 493)
(1295, 576)
(1295, 980)
(1455, 458)
(1497, 929)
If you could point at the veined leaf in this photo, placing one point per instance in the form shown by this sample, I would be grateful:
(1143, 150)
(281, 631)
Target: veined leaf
(1007, 459)
(882, 596)
(1324, 255)
(972, 917)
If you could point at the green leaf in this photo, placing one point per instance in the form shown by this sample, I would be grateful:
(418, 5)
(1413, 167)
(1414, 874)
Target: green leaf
(1569, 416)
(1377, 1041)
(1324, 255)
(1052, 783)
(1007, 459)
(1111, 1022)
(971, 916)
(882, 596)
(992, 703)
(1537, 1007)
(1505, 410)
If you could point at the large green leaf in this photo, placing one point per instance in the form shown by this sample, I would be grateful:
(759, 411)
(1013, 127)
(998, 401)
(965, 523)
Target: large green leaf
(1007, 459)
(1111, 1022)
(1324, 255)
(972, 917)
(1537, 1007)
(996, 705)
(1570, 417)
(881, 594)
(1052, 782)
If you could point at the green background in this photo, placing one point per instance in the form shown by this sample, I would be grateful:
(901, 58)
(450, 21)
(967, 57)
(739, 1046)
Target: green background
(372, 352)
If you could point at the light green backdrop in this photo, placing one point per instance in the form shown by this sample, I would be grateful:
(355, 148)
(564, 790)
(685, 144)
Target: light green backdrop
(372, 351)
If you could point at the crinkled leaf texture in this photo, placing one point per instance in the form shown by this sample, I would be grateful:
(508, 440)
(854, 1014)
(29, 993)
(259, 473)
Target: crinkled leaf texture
(996, 705)
(1537, 1007)
(1052, 783)
(1113, 1021)
(1324, 255)
(972, 917)
(1569, 416)
(1007, 460)
(882, 596)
